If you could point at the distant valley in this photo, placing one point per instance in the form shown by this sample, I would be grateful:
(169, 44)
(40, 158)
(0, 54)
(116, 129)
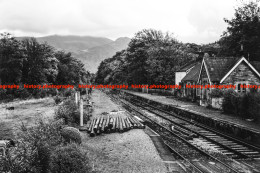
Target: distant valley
(90, 50)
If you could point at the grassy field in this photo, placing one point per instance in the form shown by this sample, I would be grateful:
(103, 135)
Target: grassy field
(25, 112)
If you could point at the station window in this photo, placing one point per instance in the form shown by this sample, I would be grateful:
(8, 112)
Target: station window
(241, 89)
(244, 87)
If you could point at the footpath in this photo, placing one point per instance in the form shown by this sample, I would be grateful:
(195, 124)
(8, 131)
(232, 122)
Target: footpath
(131, 151)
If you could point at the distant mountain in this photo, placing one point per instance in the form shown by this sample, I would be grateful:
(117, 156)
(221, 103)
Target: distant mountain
(93, 56)
(90, 50)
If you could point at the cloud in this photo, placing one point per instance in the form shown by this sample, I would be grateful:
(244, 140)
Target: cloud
(197, 21)
(207, 18)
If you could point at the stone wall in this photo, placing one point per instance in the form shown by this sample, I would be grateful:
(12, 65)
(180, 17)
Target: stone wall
(242, 73)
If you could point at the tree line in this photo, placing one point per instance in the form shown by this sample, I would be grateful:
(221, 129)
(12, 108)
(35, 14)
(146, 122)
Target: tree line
(153, 57)
(29, 62)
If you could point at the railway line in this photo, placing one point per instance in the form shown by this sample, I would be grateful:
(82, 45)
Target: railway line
(227, 145)
(193, 157)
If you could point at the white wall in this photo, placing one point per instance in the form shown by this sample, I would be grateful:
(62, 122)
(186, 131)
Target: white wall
(179, 76)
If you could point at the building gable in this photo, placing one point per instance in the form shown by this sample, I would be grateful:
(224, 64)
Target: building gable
(242, 72)
(242, 67)
(203, 72)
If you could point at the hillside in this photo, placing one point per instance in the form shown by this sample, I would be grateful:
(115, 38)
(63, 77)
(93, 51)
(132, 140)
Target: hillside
(93, 56)
(90, 50)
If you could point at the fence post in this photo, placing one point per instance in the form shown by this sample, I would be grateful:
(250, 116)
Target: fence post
(87, 90)
(81, 112)
(76, 97)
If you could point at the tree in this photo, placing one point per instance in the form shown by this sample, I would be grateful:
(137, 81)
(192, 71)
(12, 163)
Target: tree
(11, 59)
(40, 64)
(243, 32)
(70, 69)
(151, 57)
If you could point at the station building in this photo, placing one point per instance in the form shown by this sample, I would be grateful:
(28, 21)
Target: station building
(216, 71)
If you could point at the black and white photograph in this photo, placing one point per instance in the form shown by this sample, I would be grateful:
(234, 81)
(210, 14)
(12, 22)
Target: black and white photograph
(129, 86)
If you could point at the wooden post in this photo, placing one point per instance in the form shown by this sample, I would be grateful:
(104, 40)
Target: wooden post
(81, 112)
(79, 97)
(87, 92)
(76, 97)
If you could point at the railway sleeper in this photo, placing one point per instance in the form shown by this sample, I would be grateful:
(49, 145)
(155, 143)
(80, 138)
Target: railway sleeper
(246, 151)
(228, 153)
(207, 134)
(250, 152)
(228, 143)
(239, 148)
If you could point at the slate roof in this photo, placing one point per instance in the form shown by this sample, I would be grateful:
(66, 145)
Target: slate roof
(193, 75)
(256, 65)
(218, 67)
(187, 67)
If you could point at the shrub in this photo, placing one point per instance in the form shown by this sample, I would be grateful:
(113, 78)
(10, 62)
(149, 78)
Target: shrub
(52, 91)
(228, 101)
(69, 159)
(71, 134)
(68, 92)
(9, 97)
(57, 99)
(43, 93)
(246, 105)
(216, 93)
(236, 103)
(69, 112)
(2, 94)
(253, 106)
(36, 93)
(22, 93)
(34, 147)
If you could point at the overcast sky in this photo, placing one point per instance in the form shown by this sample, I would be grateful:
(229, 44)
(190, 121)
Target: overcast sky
(198, 21)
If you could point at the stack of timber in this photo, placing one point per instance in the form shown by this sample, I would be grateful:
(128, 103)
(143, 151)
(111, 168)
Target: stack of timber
(111, 124)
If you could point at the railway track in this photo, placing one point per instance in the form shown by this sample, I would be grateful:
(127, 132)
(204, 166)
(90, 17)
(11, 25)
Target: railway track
(196, 159)
(229, 146)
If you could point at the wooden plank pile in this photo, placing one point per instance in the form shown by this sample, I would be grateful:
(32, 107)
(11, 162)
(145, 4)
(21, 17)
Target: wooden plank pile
(111, 124)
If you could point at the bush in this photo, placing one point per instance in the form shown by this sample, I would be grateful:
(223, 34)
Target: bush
(216, 93)
(69, 159)
(57, 99)
(43, 93)
(2, 94)
(246, 105)
(34, 147)
(71, 134)
(36, 93)
(228, 101)
(68, 92)
(253, 110)
(69, 112)
(22, 93)
(53, 91)
(9, 97)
